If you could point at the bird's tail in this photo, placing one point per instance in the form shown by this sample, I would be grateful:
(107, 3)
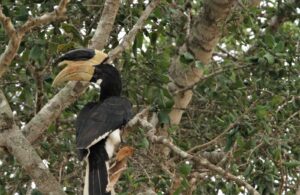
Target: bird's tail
(96, 178)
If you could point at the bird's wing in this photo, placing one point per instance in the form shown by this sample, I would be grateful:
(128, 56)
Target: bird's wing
(97, 120)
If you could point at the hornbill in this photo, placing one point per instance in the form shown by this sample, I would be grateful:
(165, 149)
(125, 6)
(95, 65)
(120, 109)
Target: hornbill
(99, 123)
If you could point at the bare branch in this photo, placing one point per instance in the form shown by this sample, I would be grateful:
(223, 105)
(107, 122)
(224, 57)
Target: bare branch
(291, 117)
(52, 110)
(7, 24)
(106, 23)
(16, 36)
(204, 36)
(21, 149)
(57, 14)
(129, 38)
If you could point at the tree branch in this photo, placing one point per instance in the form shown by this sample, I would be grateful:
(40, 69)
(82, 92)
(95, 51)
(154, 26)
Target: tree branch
(129, 38)
(106, 23)
(183, 154)
(229, 127)
(7, 24)
(204, 35)
(21, 149)
(16, 35)
(57, 14)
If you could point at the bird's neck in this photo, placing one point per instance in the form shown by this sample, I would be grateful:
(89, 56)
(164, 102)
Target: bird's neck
(111, 84)
(110, 91)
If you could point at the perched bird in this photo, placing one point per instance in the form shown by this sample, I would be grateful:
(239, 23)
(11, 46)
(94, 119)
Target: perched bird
(99, 124)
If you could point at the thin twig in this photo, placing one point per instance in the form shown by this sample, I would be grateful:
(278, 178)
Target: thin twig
(228, 128)
(183, 154)
(129, 38)
(16, 35)
(291, 117)
(213, 74)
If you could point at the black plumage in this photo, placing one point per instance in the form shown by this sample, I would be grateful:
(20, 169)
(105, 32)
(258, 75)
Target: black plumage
(98, 124)
(98, 118)
(77, 54)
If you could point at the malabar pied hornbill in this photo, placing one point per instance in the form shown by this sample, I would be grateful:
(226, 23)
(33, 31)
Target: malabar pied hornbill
(99, 123)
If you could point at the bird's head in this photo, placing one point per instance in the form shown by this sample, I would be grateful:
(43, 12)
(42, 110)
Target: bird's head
(94, 69)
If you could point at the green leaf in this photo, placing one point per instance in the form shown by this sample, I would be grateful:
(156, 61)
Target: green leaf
(276, 154)
(163, 117)
(73, 30)
(233, 77)
(186, 58)
(248, 171)
(261, 111)
(185, 169)
(269, 40)
(2, 190)
(292, 164)
(139, 40)
(276, 100)
(279, 47)
(199, 65)
(230, 140)
(35, 192)
(269, 57)
(35, 53)
(65, 47)
(21, 13)
(144, 143)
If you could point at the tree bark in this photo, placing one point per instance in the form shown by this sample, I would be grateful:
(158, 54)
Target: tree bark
(204, 35)
(105, 25)
(22, 150)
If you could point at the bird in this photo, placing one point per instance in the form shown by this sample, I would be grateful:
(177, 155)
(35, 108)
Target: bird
(99, 124)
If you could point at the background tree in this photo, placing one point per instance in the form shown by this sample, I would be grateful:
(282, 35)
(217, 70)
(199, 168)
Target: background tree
(215, 85)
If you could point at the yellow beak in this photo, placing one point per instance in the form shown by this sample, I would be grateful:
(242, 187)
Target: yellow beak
(82, 70)
(74, 72)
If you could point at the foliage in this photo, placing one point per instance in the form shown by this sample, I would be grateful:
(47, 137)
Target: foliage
(261, 100)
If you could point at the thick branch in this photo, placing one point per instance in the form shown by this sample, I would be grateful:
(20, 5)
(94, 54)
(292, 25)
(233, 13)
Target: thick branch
(204, 35)
(7, 24)
(16, 36)
(52, 110)
(21, 149)
(106, 23)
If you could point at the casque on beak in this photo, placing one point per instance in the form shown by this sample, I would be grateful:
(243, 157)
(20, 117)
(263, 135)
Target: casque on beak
(74, 73)
(81, 70)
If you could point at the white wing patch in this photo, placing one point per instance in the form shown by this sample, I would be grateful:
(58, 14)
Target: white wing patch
(113, 140)
(98, 139)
